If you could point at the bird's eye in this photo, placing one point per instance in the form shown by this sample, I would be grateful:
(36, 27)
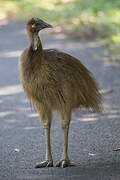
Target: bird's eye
(33, 25)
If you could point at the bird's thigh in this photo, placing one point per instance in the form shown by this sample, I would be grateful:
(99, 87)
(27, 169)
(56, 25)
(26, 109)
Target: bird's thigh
(65, 117)
(44, 113)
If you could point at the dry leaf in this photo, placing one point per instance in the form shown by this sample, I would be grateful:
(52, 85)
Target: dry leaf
(91, 154)
(117, 149)
(16, 150)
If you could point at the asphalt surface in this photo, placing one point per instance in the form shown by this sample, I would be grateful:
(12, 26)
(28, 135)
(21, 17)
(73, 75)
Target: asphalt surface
(92, 136)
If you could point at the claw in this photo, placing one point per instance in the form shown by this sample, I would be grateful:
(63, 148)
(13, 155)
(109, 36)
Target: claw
(63, 164)
(58, 164)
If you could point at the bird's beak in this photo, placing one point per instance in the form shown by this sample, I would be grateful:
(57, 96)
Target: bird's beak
(41, 24)
(45, 25)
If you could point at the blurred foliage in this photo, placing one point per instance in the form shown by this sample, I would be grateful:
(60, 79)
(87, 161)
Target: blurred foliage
(84, 18)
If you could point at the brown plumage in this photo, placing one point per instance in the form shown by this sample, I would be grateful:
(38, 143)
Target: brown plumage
(54, 80)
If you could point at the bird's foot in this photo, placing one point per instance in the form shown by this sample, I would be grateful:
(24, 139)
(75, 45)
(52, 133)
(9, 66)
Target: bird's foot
(65, 163)
(47, 163)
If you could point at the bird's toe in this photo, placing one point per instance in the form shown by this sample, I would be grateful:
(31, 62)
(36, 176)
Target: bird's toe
(47, 163)
(65, 163)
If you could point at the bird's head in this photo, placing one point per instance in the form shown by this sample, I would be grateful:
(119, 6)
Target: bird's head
(34, 25)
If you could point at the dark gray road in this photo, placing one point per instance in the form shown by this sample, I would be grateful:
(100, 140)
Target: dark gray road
(92, 136)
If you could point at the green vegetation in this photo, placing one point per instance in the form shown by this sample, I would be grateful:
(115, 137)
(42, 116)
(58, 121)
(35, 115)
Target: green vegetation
(85, 18)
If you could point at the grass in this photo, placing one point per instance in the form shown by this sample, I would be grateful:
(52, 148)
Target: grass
(83, 18)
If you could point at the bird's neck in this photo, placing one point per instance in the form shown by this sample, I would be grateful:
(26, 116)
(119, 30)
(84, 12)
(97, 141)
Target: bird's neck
(35, 42)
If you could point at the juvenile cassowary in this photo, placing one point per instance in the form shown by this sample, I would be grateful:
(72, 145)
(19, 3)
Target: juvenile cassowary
(55, 81)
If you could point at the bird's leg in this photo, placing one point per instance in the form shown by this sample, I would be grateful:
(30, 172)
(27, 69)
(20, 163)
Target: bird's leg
(48, 162)
(64, 162)
(65, 146)
(48, 145)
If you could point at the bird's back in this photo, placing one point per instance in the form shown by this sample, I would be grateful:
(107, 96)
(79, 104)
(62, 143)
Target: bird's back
(75, 81)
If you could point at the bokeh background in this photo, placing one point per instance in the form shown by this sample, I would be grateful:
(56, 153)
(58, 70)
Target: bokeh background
(80, 18)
